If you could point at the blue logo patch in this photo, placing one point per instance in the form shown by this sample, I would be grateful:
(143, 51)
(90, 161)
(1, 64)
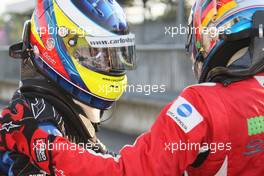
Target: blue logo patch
(184, 110)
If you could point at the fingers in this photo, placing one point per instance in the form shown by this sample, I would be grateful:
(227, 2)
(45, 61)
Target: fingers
(13, 123)
(19, 112)
(8, 143)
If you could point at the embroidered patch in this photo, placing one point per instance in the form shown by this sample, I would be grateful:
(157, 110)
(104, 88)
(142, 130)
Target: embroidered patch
(184, 114)
(38, 107)
(255, 125)
(40, 150)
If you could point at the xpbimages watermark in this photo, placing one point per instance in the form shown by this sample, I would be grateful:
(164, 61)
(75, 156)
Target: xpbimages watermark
(41, 145)
(174, 147)
(145, 89)
(61, 31)
(213, 32)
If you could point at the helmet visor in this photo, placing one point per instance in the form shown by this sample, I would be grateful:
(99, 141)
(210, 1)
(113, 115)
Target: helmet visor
(105, 54)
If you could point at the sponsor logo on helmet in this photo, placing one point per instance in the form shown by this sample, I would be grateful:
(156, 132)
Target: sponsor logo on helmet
(50, 44)
(113, 41)
(46, 55)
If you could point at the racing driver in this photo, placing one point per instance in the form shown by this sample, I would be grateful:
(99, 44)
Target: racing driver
(226, 39)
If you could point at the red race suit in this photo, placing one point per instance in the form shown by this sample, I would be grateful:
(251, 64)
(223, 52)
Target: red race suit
(225, 124)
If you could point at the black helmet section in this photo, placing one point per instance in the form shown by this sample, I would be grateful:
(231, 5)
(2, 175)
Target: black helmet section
(217, 70)
(76, 126)
(22, 50)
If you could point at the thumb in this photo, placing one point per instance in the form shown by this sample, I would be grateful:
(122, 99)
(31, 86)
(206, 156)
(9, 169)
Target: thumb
(8, 142)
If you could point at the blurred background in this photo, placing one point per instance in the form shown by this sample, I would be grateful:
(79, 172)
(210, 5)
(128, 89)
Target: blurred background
(162, 61)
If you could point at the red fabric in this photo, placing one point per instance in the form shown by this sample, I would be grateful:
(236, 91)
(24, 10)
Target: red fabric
(225, 111)
(221, 3)
(39, 134)
(15, 116)
(210, 6)
(20, 133)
